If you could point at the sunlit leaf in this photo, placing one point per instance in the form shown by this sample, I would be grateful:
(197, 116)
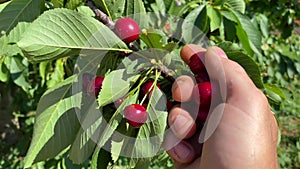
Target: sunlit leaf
(17, 11)
(215, 18)
(116, 84)
(61, 32)
(251, 67)
(56, 122)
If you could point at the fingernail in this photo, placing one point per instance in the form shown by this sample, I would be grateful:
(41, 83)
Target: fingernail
(221, 53)
(183, 151)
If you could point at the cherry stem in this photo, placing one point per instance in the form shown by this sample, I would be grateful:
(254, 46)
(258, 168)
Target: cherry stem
(101, 16)
(165, 71)
(141, 82)
(157, 74)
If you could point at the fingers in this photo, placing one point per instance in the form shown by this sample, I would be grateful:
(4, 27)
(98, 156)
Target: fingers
(227, 75)
(182, 88)
(183, 152)
(182, 127)
(244, 105)
(181, 123)
(229, 79)
(189, 50)
(223, 74)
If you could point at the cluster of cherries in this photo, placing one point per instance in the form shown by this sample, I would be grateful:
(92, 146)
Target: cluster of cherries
(203, 90)
(135, 114)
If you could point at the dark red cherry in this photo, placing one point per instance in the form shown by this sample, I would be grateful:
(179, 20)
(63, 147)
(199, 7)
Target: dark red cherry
(202, 94)
(95, 86)
(147, 86)
(202, 115)
(136, 115)
(127, 29)
(169, 105)
(118, 102)
(196, 65)
(202, 77)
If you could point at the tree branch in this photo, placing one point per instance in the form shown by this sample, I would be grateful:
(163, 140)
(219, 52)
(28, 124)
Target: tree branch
(101, 16)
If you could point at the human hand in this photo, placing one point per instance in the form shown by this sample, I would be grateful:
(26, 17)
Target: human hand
(240, 132)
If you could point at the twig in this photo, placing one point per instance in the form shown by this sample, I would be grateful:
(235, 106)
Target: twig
(101, 16)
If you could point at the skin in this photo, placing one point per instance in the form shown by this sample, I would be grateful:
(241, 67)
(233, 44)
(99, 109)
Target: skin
(240, 132)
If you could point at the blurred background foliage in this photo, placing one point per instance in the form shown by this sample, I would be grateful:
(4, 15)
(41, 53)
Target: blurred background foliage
(279, 24)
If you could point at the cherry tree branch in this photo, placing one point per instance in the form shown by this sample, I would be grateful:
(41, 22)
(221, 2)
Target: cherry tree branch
(101, 16)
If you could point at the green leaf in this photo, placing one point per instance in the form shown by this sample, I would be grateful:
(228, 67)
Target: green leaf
(167, 59)
(19, 11)
(57, 75)
(70, 4)
(284, 49)
(3, 5)
(160, 4)
(86, 138)
(135, 65)
(61, 32)
(141, 163)
(85, 10)
(245, 61)
(4, 72)
(150, 136)
(104, 158)
(237, 5)
(109, 128)
(228, 15)
(215, 18)
(19, 71)
(73, 4)
(7, 49)
(101, 158)
(247, 33)
(7, 42)
(114, 9)
(55, 118)
(109, 62)
(152, 39)
(3, 46)
(274, 93)
(263, 23)
(136, 10)
(230, 29)
(176, 10)
(57, 3)
(17, 32)
(195, 25)
(44, 68)
(116, 84)
(116, 146)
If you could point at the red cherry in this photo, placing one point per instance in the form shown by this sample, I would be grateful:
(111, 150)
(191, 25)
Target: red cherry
(136, 115)
(118, 102)
(202, 115)
(202, 94)
(95, 86)
(196, 65)
(202, 77)
(170, 105)
(145, 105)
(127, 29)
(147, 86)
